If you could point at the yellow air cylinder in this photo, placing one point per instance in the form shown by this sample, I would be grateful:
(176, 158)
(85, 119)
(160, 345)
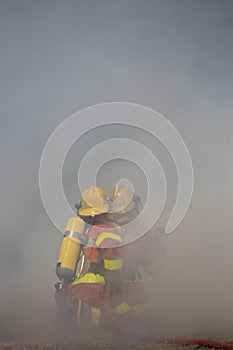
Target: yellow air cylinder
(70, 250)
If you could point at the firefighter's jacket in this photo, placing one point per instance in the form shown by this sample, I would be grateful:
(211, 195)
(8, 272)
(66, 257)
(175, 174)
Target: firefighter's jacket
(114, 261)
(120, 254)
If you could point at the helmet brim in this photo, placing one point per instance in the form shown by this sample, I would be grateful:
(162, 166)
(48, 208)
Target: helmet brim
(92, 211)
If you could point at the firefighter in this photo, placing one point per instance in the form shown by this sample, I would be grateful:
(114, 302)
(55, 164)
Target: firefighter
(99, 238)
(138, 253)
(125, 208)
(87, 290)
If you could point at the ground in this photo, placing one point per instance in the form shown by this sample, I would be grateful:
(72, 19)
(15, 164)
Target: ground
(37, 344)
(70, 341)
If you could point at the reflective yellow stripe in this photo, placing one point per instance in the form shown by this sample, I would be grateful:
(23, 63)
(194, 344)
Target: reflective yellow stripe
(133, 281)
(105, 235)
(121, 309)
(95, 316)
(114, 264)
(157, 266)
(140, 308)
(89, 278)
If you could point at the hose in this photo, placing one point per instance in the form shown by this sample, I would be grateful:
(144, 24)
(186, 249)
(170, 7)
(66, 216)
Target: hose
(183, 341)
(187, 341)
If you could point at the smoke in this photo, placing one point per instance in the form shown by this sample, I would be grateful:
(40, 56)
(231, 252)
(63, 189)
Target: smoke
(173, 56)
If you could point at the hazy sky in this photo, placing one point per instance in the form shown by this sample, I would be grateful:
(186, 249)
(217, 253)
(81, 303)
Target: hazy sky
(58, 57)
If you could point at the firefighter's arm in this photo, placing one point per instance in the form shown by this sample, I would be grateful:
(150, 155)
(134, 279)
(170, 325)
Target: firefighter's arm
(110, 244)
(153, 257)
(70, 250)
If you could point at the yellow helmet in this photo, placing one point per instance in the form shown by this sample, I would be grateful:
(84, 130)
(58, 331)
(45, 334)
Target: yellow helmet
(123, 201)
(93, 202)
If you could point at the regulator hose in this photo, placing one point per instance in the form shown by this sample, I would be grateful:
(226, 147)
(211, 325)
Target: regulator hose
(183, 341)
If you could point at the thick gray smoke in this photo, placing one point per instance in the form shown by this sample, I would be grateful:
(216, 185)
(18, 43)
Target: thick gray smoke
(176, 57)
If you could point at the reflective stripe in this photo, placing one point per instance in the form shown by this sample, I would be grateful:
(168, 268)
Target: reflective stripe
(89, 278)
(133, 281)
(106, 235)
(140, 308)
(95, 316)
(121, 309)
(79, 312)
(114, 264)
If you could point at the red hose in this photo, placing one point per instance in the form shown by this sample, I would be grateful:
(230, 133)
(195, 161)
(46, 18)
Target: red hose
(185, 341)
